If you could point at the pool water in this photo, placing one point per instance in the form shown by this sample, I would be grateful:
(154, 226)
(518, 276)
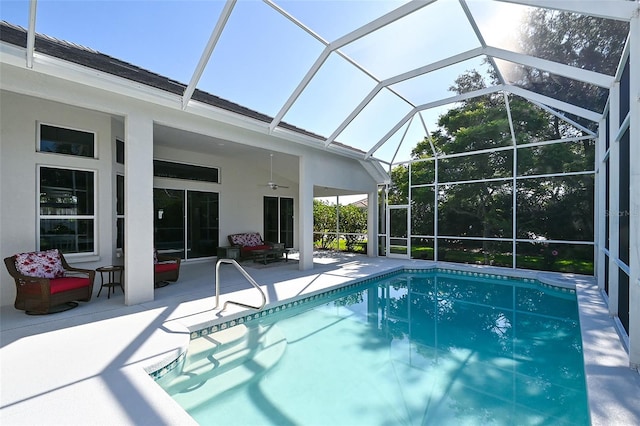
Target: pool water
(425, 348)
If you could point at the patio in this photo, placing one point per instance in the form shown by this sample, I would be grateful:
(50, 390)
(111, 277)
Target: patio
(88, 363)
(92, 356)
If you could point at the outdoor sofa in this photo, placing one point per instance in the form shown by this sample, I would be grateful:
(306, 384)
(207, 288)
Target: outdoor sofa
(248, 242)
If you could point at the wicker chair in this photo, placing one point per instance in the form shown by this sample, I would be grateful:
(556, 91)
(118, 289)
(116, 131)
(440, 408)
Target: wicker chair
(165, 269)
(36, 295)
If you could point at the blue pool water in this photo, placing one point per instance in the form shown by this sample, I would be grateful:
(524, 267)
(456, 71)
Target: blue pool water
(425, 348)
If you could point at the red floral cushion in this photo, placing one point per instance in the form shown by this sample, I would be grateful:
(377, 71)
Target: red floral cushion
(248, 239)
(41, 264)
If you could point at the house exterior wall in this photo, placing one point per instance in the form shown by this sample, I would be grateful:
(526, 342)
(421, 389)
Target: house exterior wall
(240, 189)
(18, 166)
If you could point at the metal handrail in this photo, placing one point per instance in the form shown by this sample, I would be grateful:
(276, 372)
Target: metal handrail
(247, 276)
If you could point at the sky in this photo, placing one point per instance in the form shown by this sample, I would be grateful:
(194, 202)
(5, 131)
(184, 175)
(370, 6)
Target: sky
(261, 56)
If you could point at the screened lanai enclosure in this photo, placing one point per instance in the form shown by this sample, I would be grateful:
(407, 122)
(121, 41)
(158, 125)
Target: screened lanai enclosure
(500, 133)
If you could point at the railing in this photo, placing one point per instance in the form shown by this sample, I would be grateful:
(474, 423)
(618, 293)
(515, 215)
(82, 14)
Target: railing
(247, 276)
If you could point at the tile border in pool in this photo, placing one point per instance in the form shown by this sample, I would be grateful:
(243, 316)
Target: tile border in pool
(526, 277)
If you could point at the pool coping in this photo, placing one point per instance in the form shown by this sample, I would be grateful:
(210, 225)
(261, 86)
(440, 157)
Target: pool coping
(213, 326)
(603, 350)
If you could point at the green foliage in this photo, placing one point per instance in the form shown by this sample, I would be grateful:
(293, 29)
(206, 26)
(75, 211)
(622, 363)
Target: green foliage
(582, 41)
(324, 223)
(352, 220)
(399, 187)
(552, 208)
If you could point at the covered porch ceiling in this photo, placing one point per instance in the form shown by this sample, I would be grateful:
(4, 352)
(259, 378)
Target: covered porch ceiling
(371, 76)
(285, 166)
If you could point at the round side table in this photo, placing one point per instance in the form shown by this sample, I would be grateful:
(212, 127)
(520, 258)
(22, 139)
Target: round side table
(111, 282)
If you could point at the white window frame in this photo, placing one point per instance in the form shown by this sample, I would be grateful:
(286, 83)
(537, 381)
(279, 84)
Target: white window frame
(118, 215)
(93, 217)
(39, 125)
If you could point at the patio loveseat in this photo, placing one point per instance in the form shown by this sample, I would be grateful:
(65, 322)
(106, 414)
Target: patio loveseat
(248, 242)
(46, 283)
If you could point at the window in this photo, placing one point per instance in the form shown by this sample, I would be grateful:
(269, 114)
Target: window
(59, 140)
(67, 210)
(169, 169)
(120, 211)
(119, 151)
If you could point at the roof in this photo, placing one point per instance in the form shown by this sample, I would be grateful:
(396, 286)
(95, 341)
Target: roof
(90, 58)
(361, 204)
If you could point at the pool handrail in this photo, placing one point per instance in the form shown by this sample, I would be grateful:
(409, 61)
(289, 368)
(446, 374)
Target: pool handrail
(247, 276)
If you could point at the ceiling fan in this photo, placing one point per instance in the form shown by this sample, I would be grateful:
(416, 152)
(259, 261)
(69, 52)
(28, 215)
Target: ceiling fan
(271, 184)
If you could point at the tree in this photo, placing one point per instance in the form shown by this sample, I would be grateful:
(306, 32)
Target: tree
(582, 41)
(353, 220)
(479, 209)
(324, 223)
(549, 207)
(399, 187)
(483, 209)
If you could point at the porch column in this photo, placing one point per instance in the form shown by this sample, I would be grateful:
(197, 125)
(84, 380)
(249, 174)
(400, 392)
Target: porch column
(634, 194)
(138, 219)
(305, 221)
(372, 224)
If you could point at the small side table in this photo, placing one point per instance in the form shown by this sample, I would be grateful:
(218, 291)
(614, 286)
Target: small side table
(111, 282)
(229, 252)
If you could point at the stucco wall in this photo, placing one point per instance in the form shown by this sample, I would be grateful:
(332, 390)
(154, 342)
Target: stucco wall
(340, 173)
(19, 162)
(241, 188)
(242, 183)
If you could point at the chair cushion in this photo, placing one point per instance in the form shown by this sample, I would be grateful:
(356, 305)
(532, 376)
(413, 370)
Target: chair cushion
(165, 267)
(252, 248)
(41, 264)
(58, 285)
(248, 239)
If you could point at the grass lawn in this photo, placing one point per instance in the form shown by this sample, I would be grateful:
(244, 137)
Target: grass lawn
(577, 266)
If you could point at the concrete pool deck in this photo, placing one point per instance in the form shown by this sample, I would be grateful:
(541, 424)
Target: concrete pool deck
(87, 365)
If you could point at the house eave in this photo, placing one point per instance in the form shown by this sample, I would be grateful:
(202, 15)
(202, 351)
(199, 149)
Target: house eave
(44, 64)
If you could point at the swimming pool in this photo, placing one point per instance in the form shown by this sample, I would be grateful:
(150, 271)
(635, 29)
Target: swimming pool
(411, 348)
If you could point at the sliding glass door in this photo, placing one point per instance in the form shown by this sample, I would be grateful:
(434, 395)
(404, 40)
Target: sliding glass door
(286, 222)
(202, 224)
(168, 221)
(186, 222)
(278, 220)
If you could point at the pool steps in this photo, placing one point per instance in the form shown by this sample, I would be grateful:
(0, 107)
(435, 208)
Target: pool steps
(224, 360)
(216, 342)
